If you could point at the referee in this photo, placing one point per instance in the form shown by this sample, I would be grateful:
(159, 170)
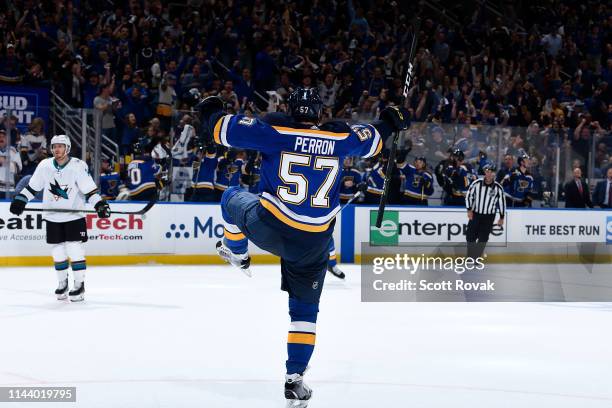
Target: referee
(484, 198)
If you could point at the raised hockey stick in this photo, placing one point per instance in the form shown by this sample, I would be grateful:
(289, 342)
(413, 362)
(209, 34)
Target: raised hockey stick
(142, 211)
(390, 163)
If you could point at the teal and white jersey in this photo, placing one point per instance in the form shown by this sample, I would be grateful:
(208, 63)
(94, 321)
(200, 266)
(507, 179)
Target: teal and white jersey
(64, 187)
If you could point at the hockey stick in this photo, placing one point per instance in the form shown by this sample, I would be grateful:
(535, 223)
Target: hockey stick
(390, 162)
(142, 211)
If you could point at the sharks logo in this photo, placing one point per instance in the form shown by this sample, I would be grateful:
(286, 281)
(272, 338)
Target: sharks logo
(59, 192)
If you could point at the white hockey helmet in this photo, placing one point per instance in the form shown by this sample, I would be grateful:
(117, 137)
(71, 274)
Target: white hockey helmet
(61, 139)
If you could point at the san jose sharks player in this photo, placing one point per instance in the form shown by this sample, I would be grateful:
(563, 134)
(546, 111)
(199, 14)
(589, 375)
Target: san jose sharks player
(67, 184)
(294, 216)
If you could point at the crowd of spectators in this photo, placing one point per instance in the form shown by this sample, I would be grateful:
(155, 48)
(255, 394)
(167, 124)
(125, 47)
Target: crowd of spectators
(525, 81)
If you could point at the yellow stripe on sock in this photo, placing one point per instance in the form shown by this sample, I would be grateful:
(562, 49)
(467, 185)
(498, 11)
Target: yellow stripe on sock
(233, 236)
(301, 338)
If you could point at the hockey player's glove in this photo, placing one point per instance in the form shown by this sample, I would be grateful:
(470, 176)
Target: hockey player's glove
(103, 209)
(396, 117)
(363, 187)
(18, 204)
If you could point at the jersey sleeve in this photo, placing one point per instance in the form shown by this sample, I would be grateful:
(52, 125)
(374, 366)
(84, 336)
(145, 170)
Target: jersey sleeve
(364, 141)
(86, 184)
(244, 132)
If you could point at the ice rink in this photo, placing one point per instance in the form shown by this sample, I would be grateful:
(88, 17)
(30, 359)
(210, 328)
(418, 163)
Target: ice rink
(209, 337)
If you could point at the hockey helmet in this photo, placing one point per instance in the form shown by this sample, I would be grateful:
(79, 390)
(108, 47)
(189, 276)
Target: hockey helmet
(458, 154)
(61, 139)
(305, 104)
(489, 166)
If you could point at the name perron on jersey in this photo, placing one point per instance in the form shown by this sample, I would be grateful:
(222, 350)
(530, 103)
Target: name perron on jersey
(301, 166)
(64, 187)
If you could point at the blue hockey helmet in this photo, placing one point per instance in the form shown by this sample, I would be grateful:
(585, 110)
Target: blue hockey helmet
(305, 104)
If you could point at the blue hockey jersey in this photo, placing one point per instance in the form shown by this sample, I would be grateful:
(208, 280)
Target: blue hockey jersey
(518, 186)
(376, 180)
(204, 177)
(300, 165)
(348, 187)
(109, 185)
(142, 175)
(460, 178)
(417, 184)
(228, 173)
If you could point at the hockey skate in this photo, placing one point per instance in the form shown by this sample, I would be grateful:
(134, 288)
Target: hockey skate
(296, 392)
(334, 270)
(240, 261)
(62, 290)
(77, 294)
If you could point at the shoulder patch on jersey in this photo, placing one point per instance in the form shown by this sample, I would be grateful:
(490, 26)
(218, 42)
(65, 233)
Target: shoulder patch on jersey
(362, 132)
(246, 121)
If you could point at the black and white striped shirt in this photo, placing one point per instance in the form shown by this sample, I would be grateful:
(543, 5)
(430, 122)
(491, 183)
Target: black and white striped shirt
(483, 198)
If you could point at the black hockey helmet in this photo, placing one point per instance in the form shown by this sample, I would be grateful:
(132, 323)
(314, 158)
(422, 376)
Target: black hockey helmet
(305, 104)
(522, 158)
(422, 158)
(458, 154)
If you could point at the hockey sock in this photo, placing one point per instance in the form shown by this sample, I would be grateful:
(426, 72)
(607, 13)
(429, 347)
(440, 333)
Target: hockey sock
(301, 338)
(332, 255)
(62, 270)
(77, 260)
(234, 239)
(60, 259)
(78, 270)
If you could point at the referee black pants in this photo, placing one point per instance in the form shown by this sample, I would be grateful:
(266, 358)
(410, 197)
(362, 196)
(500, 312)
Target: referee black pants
(477, 234)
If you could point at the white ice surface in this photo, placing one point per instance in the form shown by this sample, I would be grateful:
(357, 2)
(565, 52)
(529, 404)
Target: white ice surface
(207, 336)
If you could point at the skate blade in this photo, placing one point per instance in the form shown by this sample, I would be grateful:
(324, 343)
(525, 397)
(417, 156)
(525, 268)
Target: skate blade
(339, 276)
(63, 296)
(247, 272)
(77, 298)
(297, 403)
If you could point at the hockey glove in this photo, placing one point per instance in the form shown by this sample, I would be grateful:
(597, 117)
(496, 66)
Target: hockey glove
(103, 209)
(18, 204)
(363, 187)
(396, 117)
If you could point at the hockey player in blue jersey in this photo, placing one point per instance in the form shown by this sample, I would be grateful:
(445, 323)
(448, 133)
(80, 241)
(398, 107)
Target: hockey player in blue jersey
(351, 178)
(458, 177)
(142, 176)
(519, 184)
(294, 216)
(203, 180)
(110, 181)
(229, 171)
(418, 182)
(252, 173)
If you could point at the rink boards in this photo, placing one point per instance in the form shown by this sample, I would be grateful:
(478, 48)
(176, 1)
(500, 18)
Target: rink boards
(185, 233)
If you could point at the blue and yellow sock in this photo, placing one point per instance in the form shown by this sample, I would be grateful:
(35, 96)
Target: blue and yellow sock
(234, 239)
(302, 334)
(332, 255)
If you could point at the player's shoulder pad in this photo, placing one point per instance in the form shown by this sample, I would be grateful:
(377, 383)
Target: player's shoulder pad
(336, 126)
(278, 119)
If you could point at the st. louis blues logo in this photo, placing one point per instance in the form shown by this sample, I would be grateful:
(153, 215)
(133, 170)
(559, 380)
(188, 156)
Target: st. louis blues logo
(59, 192)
